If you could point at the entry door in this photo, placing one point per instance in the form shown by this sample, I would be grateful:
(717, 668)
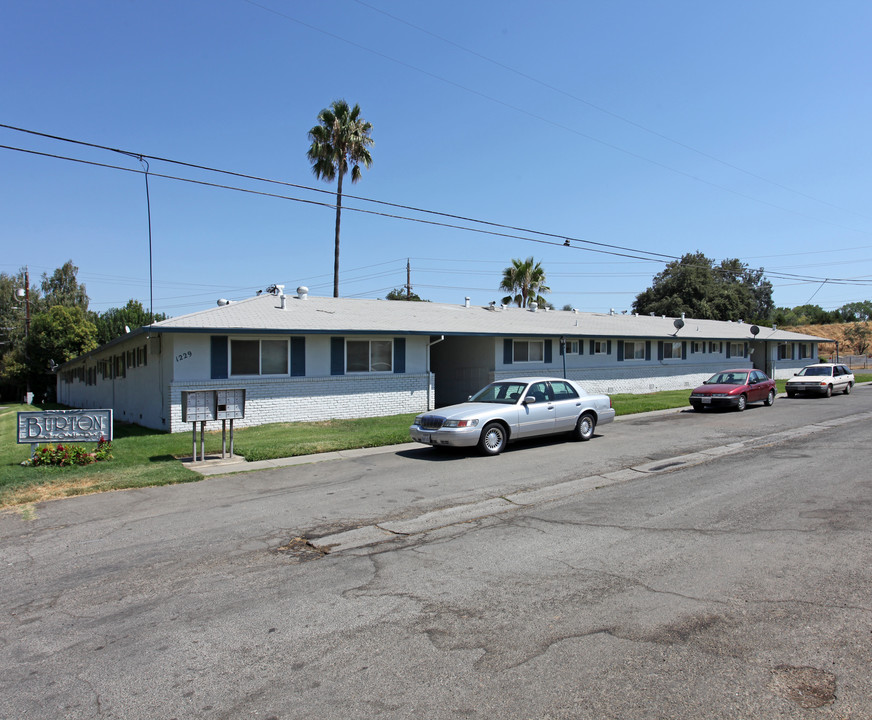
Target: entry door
(537, 418)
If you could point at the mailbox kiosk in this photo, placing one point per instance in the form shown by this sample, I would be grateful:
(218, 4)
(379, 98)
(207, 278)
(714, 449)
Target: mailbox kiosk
(230, 406)
(200, 406)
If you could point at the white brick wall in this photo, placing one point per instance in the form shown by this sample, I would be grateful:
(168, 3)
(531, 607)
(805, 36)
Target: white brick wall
(271, 400)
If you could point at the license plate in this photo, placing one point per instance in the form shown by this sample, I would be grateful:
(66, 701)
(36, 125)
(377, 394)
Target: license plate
(706, 401)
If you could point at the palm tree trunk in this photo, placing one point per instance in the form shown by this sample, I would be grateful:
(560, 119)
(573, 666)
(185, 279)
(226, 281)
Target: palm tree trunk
(336, 247)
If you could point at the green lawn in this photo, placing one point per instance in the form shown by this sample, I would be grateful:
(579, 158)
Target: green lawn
(144, 458)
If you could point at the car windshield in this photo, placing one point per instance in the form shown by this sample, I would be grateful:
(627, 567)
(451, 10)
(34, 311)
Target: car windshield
(507, 393)
(815, 371)
(728, 378)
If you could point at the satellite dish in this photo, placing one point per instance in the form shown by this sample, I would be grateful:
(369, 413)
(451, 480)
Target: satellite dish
(754, 330)
(679, 323)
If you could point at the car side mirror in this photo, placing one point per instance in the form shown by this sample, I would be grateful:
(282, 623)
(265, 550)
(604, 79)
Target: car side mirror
(529, 399)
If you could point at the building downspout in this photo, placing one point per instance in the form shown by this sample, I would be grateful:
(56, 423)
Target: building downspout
(430, 400)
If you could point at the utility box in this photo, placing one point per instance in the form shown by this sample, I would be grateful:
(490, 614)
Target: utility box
(230, 404)
(198, 405)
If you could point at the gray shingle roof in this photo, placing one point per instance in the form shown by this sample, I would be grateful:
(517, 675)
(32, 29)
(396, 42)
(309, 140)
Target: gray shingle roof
(264, 314)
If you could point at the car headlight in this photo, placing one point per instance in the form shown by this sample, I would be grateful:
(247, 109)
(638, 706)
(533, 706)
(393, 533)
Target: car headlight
(459, 423)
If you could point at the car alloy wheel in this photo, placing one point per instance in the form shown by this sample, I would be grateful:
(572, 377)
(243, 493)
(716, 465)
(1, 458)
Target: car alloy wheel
(743, 401)
(770, 398)
(847, 390)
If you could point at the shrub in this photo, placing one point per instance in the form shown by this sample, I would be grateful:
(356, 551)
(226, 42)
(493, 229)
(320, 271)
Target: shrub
(66, 455)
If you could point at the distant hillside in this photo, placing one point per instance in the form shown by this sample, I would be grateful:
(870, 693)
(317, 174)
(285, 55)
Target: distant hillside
(835, 331)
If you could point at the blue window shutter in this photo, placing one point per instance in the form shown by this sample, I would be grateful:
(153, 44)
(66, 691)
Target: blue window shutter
(608, 347)
(684, 349)
(620, 350)
(399, 355)
(659, 349)
(647, 349)
(219, 357)
(728, 351)
(337, 356)
(746, 349)
(580, 346)
(507, 351)
(548, 351)
(298, 356)
(592, 348)
(691, 349)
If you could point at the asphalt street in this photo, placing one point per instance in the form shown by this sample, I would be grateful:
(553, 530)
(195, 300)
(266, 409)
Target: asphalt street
(678, 565)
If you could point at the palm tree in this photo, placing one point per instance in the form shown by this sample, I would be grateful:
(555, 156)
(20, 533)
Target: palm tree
(525, 280)
(339, 141)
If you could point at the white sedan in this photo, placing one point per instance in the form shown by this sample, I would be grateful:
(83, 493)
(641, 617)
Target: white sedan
(821, 379)
(512, 409)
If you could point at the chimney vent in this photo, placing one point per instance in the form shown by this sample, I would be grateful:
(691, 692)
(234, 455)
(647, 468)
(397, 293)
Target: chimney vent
(302, 292)
(466, 302)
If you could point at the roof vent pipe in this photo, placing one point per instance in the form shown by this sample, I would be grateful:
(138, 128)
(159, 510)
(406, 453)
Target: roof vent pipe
(284, 301)
(222, 302)
(466, 301)
(611, 311)
(303, 292)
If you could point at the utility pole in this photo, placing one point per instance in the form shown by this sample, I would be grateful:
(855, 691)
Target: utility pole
(28, 397)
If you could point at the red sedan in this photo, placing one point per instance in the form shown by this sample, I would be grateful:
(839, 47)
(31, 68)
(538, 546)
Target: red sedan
(735, 389)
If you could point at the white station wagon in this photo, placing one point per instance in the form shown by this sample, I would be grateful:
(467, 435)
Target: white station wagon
(821, 379)
(513, 409)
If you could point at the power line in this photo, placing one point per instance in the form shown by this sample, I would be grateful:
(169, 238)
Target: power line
(631, 253)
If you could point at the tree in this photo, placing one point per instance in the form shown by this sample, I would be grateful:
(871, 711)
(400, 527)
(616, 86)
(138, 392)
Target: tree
(13, 314)
(401, 294)
(525, 281)
(858, 335)
(340, 140)
(861, 310)
(111, 324)
(59, 334)
(62, 288)
(695, 286)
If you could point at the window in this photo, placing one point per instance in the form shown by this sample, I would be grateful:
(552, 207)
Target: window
(635, 350)
(803, 351)
(369, 356)
(697, 347)
(783, 351)
(737, 349)
(528, 351)
(600, 347)
(672, 350)
(572, 347)
(259, 357)
(563, 390)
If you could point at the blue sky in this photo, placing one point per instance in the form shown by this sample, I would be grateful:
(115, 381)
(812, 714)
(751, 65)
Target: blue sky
(738, 129)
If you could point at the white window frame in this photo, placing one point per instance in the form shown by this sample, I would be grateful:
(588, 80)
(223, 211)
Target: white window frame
(529, 344)
(697, 347)
(737, 349)
(600, 347)
(638, 347)
(259, 341)
(369, 342)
